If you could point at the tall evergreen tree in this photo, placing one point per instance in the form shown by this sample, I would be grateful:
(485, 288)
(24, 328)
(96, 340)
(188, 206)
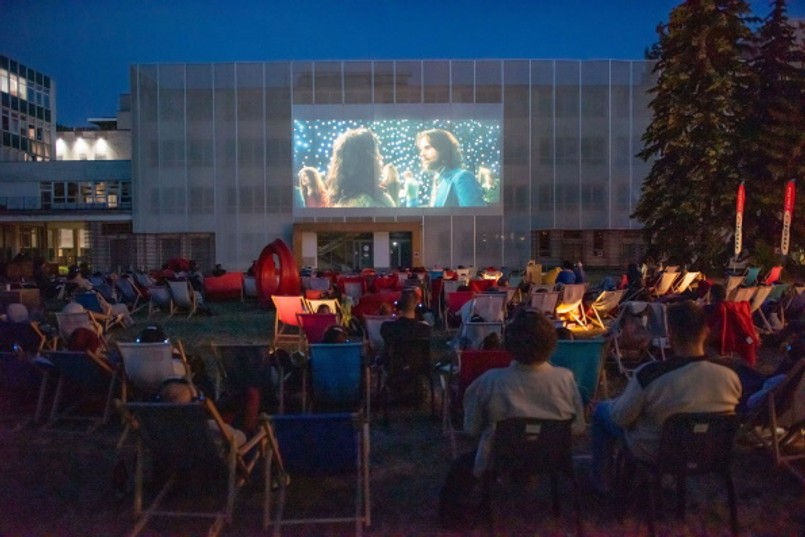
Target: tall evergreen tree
(776, 129)
(699, 107)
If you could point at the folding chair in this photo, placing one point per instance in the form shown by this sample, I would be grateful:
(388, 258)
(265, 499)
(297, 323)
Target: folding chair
(130, 294)
(690, 444)
(91, 377)
(524, 447)
(732, 284)
(545, 302)
(286, 324)
(147, 365)
(23, 384)
(743, 294)
(182, 297)
(732, 331)
(452, 305)
(750, 276)
(338, 376)
(603, 306)
(159, 298)
(473, 333)
(319, 446)
(773, 276)
(629, 337)
(25, 336)
(683, 283)
(571, 303)
(664, 284)
(249, 287)
(374, 341)
(245, 365)
(312, 326)
(91, 302)
(657, 324)
(318, 284)
(761, 294)
(778, 422)
(490, 307)
(585, 358)
(469, 365)
(774, 299)
(403, 364)
(313, 305)
(180, 438)
(67, 322)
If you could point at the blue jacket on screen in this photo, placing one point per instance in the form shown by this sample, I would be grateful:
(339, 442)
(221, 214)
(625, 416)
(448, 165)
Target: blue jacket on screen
(458, 188)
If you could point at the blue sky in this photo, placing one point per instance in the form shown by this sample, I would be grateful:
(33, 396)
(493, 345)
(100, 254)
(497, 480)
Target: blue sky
(88, 46)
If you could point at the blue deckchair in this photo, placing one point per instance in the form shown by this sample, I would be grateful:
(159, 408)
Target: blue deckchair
(585, 358)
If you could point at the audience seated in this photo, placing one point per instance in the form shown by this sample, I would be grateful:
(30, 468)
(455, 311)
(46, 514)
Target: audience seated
(529, 387)
(687, 382)
(566, 276)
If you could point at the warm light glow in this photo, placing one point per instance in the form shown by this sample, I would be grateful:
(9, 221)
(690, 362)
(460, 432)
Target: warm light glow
(61, 147)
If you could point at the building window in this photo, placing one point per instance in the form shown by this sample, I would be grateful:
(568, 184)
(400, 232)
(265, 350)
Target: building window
(598, 243)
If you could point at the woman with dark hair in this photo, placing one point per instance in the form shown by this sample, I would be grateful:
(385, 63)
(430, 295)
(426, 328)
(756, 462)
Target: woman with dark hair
(312, 187)
(353, 177)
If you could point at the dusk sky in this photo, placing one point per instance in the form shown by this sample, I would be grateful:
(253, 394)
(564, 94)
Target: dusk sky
(88, 46)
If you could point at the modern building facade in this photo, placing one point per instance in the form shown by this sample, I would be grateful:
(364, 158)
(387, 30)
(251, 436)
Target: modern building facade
(216, 152)
(27, 113)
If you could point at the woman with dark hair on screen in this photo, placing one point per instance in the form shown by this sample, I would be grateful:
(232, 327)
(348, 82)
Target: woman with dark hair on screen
(354, 174)
(312, 187)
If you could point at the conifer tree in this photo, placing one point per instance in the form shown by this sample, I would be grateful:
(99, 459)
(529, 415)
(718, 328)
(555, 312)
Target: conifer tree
(699, 111)
(776, 129)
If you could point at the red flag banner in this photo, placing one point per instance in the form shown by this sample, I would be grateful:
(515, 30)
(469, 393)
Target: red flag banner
(739, 218)
(788, 215)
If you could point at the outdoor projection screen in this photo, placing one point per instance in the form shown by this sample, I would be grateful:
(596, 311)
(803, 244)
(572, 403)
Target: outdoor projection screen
(367, 160)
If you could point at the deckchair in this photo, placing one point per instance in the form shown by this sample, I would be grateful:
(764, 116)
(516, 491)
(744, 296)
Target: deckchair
(452, 304)
(630, 346)
(404, 364)
(773, 276)
(23, 384)
(468, 365)
(91, 302)
(743, 294)
(374, 341)
(464, 275)
(761, 294)
(26, 336)
(545, 302)
(249, 287)
(732, 284)
(774, 299)
(732, 331)
(338, 377)
(68, 322)
(243, 365)
(182, 297)
(92, 377)
(778, 422)
(319, 446)
(450, 286)
(490, 307)
(159, 298)
(312, 326)
(604, 305)
(147, 365)
(571, 303)
(664, 284)
(313, 305)
(181, 439)
(750, 276)
(585, 357)
(286, 325)
(683, 283)
(130, 293)
(473, 333)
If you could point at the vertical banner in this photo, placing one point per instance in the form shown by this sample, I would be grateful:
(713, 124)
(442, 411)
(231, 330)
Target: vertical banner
(788, 214)
(739, 218)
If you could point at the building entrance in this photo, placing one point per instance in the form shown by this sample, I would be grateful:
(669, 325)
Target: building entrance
(344, 252)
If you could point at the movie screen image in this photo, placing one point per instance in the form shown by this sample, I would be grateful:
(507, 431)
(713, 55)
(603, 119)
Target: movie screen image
(401, 165)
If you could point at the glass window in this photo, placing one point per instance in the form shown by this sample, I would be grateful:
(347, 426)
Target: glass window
(436, 81)
(408, 80)
(462, 81)
(357, 82)
(384, 82)
(328, 82)
(3, 80)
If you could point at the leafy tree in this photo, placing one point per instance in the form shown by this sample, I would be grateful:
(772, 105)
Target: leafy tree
(775, 130)
(699, 110)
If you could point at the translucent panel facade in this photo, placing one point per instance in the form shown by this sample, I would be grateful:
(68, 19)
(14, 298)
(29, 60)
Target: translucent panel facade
(212, 149)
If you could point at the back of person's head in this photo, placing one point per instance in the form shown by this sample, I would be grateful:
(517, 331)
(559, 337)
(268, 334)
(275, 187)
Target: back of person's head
(177, 390)
(530, 337)
(153, 333)
(323, 309)
(564, 333)
(492, 342)
(567, 265)
(335, 334)
(718, 293)
(16, 313)
(73, 307)
(83, 339)
(686, 321)
(385, 309)
(408, 301)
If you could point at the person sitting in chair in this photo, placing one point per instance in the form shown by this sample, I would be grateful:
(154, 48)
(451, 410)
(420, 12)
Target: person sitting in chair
(688, 382)
(529, 387)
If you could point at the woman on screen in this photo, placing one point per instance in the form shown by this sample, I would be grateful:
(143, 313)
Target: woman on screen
(312, 187)
(354, 174)
(390, 182)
